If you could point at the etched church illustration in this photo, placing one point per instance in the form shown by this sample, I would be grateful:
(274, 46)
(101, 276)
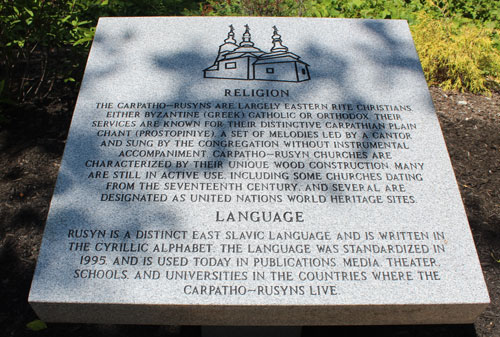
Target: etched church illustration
(247, 62)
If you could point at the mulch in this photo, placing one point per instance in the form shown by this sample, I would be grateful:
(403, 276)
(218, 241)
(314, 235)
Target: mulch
(32, 139)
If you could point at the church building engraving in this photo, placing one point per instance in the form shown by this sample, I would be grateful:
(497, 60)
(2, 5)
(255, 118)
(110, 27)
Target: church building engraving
(247, 62)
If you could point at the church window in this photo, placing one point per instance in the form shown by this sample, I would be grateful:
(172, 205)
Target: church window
(303, 71)
(231, 65)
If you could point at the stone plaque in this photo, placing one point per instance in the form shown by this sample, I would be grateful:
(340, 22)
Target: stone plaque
(256, 171)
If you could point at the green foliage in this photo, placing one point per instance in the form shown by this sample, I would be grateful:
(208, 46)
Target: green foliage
(43, 42)
(32, 32)
(247, 8)
(368, 9)
(457, 57)
(485, 11)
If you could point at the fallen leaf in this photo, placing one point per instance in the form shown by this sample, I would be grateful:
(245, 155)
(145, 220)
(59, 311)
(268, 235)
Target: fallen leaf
(36, 325)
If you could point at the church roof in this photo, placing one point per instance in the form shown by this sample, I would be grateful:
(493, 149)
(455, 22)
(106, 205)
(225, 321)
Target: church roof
(278, 59)
(235, 55)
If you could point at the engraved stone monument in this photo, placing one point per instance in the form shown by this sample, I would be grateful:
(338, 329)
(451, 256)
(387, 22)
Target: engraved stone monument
(256, 171)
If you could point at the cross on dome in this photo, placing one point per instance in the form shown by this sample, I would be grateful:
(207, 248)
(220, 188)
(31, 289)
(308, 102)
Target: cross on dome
(230, 35)
(246, 38)
(277, 46)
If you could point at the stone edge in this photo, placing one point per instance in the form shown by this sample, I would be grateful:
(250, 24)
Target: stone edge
(259, 315)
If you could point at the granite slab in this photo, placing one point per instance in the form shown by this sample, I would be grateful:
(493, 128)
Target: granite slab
(256, 171)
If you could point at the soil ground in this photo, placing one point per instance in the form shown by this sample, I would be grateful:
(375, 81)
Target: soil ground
(31, 144)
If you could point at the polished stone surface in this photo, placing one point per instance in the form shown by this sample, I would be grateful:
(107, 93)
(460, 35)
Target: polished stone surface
(294, 175)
